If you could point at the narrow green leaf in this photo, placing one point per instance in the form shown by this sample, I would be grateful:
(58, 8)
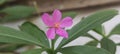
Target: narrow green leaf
(35, 32)
(87, 24)
(100, 30)
(92, 43)
(71, 14)
(10, 47)
(4, 1)
(6, 53)
(118, 44)
(83, 50)
(16, 13)
(108, 45)
(116, 30)
(34, 51)
(9, 35)
(90, 36)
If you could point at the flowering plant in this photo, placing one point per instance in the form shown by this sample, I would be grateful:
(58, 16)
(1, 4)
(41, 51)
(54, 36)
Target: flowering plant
(31, 34)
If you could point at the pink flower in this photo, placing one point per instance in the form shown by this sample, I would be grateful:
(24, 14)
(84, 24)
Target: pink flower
(56, 24)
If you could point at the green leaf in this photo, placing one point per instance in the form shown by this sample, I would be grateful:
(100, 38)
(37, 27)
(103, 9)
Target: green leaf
(83, 50)
(35, 32)
(7, 53)
(100, 30)
(108, 45)
(87, 24)
(92, 43)
(118, 44)
(71, 14)
(90, 36)
(10, 47)
(9, 35)
(116, 30)
(4, 1)
(16, 13)
(34, 51)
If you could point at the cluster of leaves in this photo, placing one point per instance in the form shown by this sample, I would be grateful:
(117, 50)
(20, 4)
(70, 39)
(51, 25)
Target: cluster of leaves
(31, 34)
(12, 13)
(106, 43)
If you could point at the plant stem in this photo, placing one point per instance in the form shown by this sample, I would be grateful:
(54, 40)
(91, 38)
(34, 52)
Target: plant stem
(36, 6)
(52, 45)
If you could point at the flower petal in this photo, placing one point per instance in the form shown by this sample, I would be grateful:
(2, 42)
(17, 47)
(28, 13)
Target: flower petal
(57, 15)
(51, 33)
(66, 22)
(47, 19)
(62, 33)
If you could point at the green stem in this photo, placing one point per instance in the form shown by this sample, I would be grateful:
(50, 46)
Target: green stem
(52, 51)
(52, 46)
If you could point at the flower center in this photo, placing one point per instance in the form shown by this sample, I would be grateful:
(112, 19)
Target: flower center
(57, 25)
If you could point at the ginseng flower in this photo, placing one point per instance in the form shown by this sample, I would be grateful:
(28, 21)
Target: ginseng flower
(56, 24)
